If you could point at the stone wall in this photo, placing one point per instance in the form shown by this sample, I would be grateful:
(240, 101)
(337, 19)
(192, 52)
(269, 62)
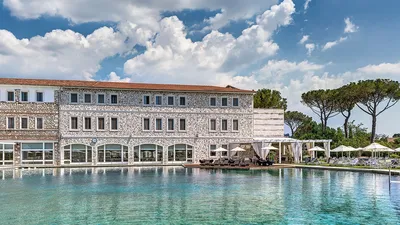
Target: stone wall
(268, 123)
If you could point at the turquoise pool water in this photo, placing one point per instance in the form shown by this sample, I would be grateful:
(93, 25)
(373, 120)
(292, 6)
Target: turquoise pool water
(174, 195)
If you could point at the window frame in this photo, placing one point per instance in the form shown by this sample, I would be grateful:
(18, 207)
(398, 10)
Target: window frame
(70, 123)
(143, 102)
(227, 101)
(173, 100)
(97, 123)
(37, 92)
(155, 124)
(210, 150)
(13, 96)
(84, 98)
(13, 122)
(36, 123)
(209, 125)
(173, 124)
(27, 96)
(27, 122)
(155, 100)
(227, 126)
(179, 124)
(84, 123)
(233, 130)
(209, 101)
(236, 106)
(70, 98)
(143, 128)
(111, 118)
(112, 94)
(97, 98)
(179, 101)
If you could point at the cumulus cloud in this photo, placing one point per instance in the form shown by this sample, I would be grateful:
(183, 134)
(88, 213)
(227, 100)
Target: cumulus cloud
(172, 57)
(350, 27)
(331, 44)
(276, 69)
(113, 77)
(137, 11)
(304, 39)
(61, 54)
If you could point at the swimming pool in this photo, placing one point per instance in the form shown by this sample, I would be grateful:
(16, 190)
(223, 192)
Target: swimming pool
(175, 195)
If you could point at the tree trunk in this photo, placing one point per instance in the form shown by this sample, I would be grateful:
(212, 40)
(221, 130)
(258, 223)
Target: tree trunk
(346, 123)
(373, 130)
(291, 129)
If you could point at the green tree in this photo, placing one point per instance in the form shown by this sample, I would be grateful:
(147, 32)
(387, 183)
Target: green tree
(266, 98)
(376, 96)
(396, 135)
(322, 103)
(345, 102)
(295, 119)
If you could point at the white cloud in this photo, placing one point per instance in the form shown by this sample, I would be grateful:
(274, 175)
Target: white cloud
(276, 69)
(137, 11)
(113, 77)
(304, 39)
(310, 48)
(383, 68)
(330, 44)
(350, 27)
(306, 4)
(64, 54)
(172, 57)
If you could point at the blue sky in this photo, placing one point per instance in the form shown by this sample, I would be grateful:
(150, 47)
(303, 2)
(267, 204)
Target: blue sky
(249, 44)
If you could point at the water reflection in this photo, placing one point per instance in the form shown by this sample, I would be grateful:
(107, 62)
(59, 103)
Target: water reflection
(176, 195)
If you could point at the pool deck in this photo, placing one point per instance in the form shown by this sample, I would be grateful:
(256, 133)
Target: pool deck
(252, 167)
(366, 170)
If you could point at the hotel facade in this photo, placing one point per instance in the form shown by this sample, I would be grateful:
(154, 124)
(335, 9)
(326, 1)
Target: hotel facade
(67, 123)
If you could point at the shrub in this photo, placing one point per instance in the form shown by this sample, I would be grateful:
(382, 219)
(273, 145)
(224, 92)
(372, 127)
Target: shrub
(394, 156)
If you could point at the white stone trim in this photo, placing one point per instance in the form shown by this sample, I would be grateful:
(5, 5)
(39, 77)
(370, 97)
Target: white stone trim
(227, 125)
(238, 121)
(20, 95)
(179, 125)
(84, 98)
(233, 97)
(111, 94)
(36, 118)
(146, 95)
(155, 124)
(143, 124)
(137, 111)
(179, 100)
(70, 123)
(173, 122)
(97, 123)
(114, 117)
(7, 123)
(97, 98)
(209, 101)
(155, 100)
(209, 150)
(173, 97)
(9, 90)
(84, 123)
(36, 92)
(227, 101)
(209, 125)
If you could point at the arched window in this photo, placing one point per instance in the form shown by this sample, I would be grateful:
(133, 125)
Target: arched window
(6, 154)
(112, 153)
(148, 153)
(77, 153)
(180, 153)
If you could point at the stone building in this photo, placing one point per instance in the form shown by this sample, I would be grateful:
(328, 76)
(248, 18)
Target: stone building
(29, 124)
(102, 123)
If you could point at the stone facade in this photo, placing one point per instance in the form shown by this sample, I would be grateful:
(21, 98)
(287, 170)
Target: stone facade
(131, 112)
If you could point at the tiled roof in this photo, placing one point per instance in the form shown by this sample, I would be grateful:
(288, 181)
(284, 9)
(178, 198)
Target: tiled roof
(122, 85)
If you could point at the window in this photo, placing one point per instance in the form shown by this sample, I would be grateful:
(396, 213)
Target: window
(114, 99)
(182, 101)
(73, 98)
(212, 150)
(171, 125)
(77, 153)
(182, 124)
(100, 123)
(235, 102)
(213, 124)
(148, 153)
(235, 125)
(213, 101)
(39, 96)
(87, 123)
(10, 122)
(39, 123)
(101, 98)
(114, 123)
(224, 101)
(158, 100)
(88, 98)
(10, 96)
(112, 153)
(171, 100)
(24, 96)
(6, 154)
(37, 153)
(158, 124)
(180, 153)
(146, 124)
(74, 123)
(146, 99)
(224, 153)
(224, 125)
(24, 123)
